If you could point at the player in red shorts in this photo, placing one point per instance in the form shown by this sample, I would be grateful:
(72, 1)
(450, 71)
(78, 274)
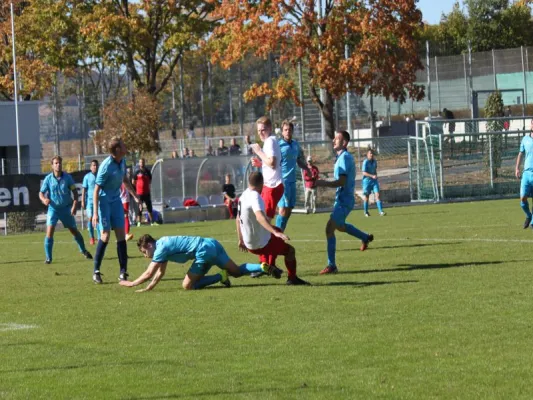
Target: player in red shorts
(257, 236)
(270, 161)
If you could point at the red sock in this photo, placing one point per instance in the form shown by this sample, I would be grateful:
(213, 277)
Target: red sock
(291, 268)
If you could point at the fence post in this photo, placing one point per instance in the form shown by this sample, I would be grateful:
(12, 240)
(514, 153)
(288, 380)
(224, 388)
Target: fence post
(82, 216)
(490, 162)
(524, 75)
(429, 79)
(441, 167)
(494, 70)
(302, 107)
(438, 83)
(5, 214)
(409, 166)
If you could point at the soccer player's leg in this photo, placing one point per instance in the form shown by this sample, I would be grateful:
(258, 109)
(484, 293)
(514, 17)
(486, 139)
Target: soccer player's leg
(525, 191)
(289, 253)
(90, 228)
(285, 205)
(69, 222)
(104, 227)
(379, 204)
(196, 277)
(331, 246)
(223, 261)
(126, 207)
(116, 216)
(51, 221)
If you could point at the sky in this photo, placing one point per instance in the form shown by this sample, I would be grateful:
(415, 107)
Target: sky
(433, 9)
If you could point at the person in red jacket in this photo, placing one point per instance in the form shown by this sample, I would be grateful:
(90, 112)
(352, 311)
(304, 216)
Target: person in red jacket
(142, 178)
(310, 177)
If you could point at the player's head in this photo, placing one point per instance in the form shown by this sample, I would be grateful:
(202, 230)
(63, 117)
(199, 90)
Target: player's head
(309, 160)
(142, 163)
(117, 148)
(146, 245)
(221, 143)
(341, 140)
(264, 127)
(287, 129)
(57, 164)
(255, 181)
(227, 178)
(94, 166)
(370, 154)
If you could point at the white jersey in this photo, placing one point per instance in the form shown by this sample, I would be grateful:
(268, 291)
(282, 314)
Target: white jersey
(124, 194)
(272, 176)
(253, 234)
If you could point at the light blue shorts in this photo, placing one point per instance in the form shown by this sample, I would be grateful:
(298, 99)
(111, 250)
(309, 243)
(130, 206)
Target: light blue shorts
(61, 214)
(209, 253)
(288, 200)
(111, 215)
(340, 214)
(526, 184)
(370, 186)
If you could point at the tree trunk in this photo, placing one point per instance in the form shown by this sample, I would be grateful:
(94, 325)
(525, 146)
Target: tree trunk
(329, 116)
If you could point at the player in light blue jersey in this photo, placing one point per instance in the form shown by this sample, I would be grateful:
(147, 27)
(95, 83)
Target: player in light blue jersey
(204, 253)
(344, 174)
(56, 192)
(291, 156)
(87, 192)
(526, 184)
(370, 182)
(108, 212)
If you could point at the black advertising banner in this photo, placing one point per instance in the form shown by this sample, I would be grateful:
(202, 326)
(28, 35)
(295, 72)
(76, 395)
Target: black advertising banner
(21, 192)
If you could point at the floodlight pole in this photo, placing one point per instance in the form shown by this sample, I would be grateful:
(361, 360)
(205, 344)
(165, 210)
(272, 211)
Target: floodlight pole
(16, 86)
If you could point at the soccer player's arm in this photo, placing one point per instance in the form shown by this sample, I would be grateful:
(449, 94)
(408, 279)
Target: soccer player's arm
(301, 160)
(261, 218)
(519, 160)
(44, 189)
(101, 178)
(266, 154)
(241, 245)
(332, 184)
(84, 187)
(365, 170)
(74, 190)
(130, 188)
(150, 271)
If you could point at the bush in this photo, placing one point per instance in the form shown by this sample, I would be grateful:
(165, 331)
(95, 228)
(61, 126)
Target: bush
(20, 222)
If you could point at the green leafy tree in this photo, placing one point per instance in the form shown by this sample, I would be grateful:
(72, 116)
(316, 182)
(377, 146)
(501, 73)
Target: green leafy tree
(494, 109)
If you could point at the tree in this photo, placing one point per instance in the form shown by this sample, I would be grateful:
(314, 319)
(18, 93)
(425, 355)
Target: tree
(136, 121)
(383, 57)
(494, 109)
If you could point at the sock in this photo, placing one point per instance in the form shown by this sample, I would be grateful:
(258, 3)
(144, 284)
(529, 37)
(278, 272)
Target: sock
(91, 230)
(247, 269)
(332, 246)
(291, 268)
(281, 222)
(48, 246)
(79, 240)
(207, 280)
(122, 252)
(353, 231)
(380, 206)
(99, 256)
(365, 207)
(525, 207)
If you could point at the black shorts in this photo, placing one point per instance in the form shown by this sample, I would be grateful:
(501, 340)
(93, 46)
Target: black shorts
(146, 199)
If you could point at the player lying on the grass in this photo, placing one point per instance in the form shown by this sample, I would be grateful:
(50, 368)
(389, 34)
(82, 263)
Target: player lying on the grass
(56, 192)
(205, 252)
(526, 183)
(344, 174)
(257, 236)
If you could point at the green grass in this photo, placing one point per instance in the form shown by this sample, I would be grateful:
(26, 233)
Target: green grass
(438, 307)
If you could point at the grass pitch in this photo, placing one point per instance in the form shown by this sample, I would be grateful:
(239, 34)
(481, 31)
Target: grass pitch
(438, 307)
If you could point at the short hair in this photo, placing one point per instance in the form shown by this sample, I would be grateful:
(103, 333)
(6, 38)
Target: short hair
(145, 240)
(114, 144)
(227, 175)
(345, 135)
(289, 123)
(59, 158)
(265, 121)
(95, 162)
(255, 179)
(143, 160)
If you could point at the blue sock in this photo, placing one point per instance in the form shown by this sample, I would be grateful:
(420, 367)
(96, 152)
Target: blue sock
(247, 269)
(122, 252)
(380, 206)
(281, 222)
(332, 247)
(79, 240)
(353, 231)
(525, 207)
(207, 280)
(99, 256)
(48, 246)
(365, 207)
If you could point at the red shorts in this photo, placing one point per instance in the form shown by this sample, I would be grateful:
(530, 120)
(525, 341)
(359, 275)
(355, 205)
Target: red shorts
(126, 207)
(275, 247)
(271, 197)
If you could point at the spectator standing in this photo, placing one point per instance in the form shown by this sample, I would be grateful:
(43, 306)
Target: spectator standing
(451, 124)
(234, 149)
(310, 177)
(222, 149)
(142, 179)
(230, 198)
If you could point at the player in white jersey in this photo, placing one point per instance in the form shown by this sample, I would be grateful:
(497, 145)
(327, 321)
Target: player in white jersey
(270, 161)
(257, 236)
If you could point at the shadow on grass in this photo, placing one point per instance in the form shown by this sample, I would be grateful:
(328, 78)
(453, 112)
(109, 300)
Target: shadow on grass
(262, 391)
(364, 284)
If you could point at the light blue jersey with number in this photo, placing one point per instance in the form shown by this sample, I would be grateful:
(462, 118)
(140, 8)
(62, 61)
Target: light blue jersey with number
(58, 190)
(290, 151)
(345, 165)
(109, 178)
(526, 146)
(89, 181)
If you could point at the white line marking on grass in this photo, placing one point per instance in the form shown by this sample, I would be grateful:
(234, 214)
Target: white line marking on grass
(413, 240)
(15, 327)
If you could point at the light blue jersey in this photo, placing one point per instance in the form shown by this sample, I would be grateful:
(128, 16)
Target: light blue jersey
(59, 190)
(109, 178)
(345, 165)
(526, 146)
(370, 167)
(88, 184)
(290, 151)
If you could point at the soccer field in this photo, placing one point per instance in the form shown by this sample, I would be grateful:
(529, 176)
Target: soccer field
(439, 306)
